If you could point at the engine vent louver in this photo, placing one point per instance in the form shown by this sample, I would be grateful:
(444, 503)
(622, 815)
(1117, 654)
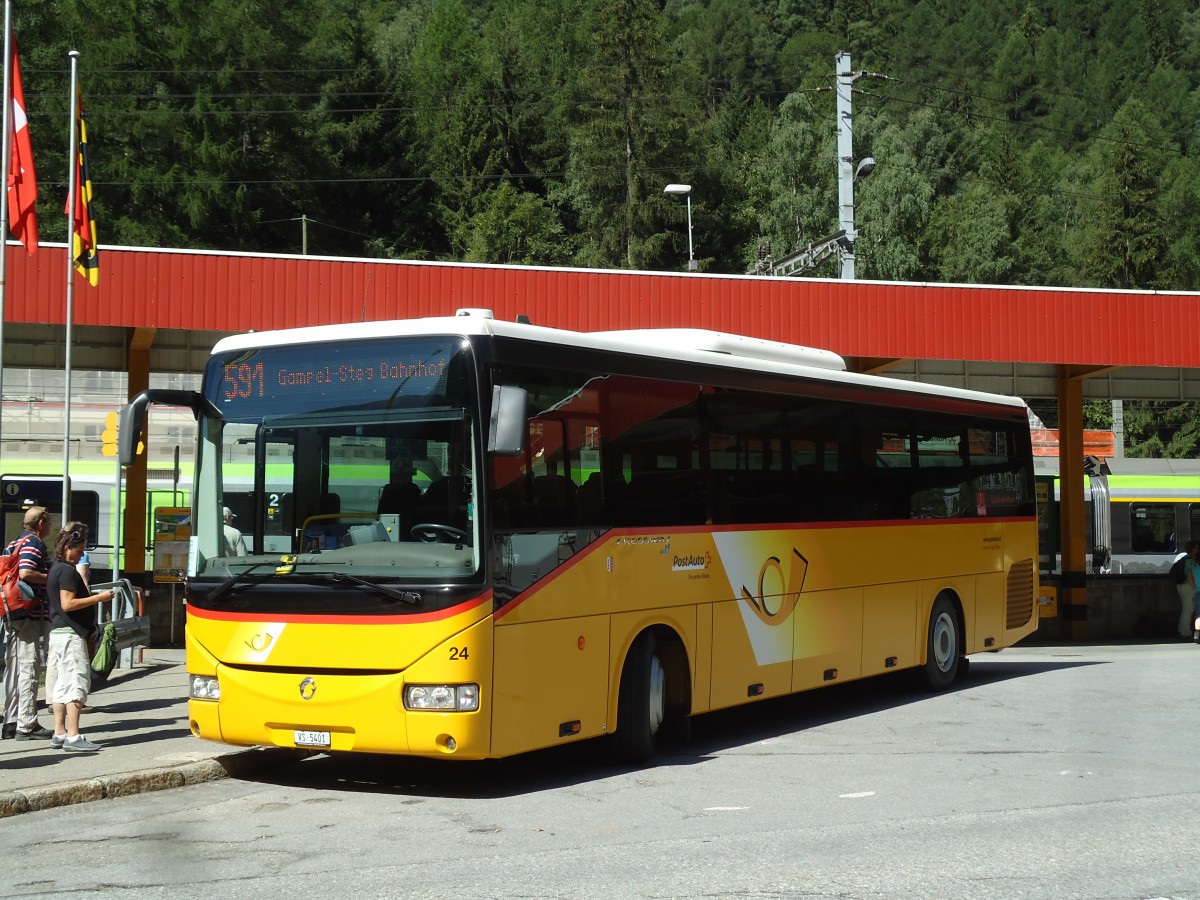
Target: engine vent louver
(1019, 606)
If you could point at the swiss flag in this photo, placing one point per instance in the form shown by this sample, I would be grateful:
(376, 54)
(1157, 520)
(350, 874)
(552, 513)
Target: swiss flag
(22, 183)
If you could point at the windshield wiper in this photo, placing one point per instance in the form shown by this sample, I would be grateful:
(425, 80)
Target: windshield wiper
(413, 598)
(287, 567)
(229, 584)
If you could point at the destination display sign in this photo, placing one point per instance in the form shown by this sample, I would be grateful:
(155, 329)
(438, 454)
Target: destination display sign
(310, 377)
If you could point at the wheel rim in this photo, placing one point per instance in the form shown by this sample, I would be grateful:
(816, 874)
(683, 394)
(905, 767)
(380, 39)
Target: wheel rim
(945, 643)
(658, 693)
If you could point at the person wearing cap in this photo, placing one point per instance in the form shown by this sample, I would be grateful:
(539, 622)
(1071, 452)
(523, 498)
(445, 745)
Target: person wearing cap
(234, 545)
(29, 631)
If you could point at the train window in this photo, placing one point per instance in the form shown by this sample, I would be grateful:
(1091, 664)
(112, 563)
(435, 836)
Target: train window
(85, 507)
(1152, 527)
(1194, 522)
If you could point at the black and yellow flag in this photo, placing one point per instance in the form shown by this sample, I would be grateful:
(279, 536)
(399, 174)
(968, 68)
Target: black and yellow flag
(86, 253)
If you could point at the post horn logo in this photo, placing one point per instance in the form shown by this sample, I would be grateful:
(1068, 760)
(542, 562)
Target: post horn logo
(259, 642)
(775, 607)
(308, 687)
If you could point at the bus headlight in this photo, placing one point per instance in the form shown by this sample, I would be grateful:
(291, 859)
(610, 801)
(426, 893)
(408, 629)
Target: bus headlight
(449, 697)
(204, 688)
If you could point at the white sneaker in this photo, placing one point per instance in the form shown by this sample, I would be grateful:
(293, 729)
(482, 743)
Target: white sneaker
(80, 744)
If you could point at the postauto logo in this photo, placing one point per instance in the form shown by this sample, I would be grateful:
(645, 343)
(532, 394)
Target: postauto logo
(691, 562)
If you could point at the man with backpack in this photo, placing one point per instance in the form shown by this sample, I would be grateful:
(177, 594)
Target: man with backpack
(28, 632)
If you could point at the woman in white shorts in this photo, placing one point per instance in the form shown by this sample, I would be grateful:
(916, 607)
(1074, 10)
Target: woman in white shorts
(72, 619)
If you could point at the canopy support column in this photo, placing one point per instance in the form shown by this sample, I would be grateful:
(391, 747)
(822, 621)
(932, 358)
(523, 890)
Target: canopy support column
(133, 529)
(1073, 598)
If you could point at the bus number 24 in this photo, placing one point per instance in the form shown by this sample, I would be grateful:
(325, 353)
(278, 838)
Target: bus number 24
(458, 653)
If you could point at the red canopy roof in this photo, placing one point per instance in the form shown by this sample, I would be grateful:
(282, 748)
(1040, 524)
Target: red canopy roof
(180, 289)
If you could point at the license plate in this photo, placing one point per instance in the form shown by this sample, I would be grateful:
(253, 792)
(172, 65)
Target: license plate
(311, 738)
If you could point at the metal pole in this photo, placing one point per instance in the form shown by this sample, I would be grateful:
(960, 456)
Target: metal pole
(117, 516)
(845, 162)
(5, 165)
(691, 255)
(125, 660)
(72, 195)
(1118, 417)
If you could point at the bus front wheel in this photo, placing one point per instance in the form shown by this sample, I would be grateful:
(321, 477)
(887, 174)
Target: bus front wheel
(944, 645)
(641, 701)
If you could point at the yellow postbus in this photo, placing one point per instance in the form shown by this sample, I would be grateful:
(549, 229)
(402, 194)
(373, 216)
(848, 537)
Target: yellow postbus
(469, 538)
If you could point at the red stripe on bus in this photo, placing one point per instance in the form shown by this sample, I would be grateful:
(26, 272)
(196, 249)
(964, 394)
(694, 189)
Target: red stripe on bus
(302, 619)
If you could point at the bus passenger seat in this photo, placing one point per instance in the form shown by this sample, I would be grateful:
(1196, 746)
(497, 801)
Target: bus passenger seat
(400, 499)
(590, 499)
(554, 499)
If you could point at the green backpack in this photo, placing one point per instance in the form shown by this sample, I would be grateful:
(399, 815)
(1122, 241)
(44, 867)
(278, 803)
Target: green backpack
(106, 654)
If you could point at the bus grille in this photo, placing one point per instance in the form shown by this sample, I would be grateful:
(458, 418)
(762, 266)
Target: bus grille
(1020, 594)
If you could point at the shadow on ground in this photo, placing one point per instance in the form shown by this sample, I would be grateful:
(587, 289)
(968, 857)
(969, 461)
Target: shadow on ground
(591, 760)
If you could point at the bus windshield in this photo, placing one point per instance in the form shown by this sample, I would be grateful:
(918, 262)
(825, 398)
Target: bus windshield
(354, 460)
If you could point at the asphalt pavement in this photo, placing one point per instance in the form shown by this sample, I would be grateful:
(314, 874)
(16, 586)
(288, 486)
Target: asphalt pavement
(140, 718)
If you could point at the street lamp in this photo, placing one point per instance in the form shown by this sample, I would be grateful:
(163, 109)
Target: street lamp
(846, 204)
(685, 190)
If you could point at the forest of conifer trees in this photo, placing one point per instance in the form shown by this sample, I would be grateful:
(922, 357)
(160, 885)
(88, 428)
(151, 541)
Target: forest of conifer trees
(1049, 142)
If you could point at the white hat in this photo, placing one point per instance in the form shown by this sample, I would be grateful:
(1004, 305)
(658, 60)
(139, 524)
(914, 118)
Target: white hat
(229, 513)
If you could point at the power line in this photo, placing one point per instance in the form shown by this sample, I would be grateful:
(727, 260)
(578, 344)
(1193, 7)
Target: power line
(386, 179)
(312, 221)
(99, 111)
(1016, 123)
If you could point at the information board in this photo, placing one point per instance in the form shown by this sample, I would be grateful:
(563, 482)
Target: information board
(172, 532)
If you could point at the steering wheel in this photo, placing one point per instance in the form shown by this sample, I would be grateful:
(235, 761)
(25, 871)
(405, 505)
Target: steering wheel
(429, 532)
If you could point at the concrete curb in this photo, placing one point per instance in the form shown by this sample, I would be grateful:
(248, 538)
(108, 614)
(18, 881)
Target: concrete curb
(243, 764)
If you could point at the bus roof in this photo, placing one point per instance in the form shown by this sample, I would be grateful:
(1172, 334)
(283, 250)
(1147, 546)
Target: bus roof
(695, 345)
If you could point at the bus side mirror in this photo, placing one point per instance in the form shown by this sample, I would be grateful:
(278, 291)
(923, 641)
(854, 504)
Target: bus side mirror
(506, 428)
(133, 418)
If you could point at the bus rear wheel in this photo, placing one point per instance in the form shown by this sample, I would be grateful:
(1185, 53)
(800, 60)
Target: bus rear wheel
(944, 645)
(641, 701)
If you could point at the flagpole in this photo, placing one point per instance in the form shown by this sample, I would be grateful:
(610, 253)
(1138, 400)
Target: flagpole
(72, 194)
(6, 168)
